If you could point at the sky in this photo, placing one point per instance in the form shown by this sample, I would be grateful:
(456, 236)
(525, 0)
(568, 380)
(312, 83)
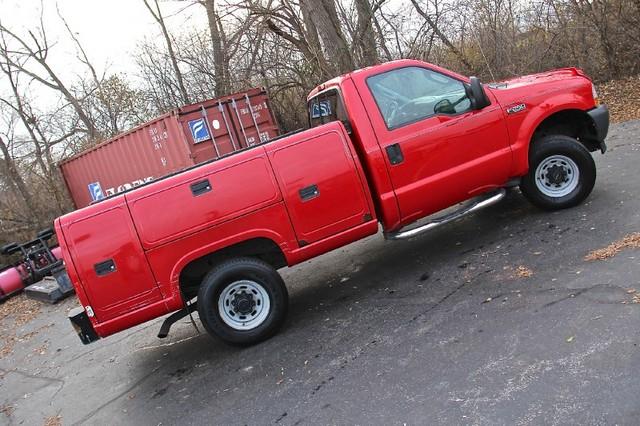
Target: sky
(109, 30)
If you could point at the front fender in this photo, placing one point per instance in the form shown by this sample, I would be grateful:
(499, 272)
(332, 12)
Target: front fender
(523, 126)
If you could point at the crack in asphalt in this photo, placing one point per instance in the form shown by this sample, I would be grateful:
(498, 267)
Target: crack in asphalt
(118, 396)
(48, 381)
(31, 376)
(577, 292)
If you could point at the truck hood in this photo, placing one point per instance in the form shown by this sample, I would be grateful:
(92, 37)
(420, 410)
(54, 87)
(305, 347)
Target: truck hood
(543, 77)
(521, 88)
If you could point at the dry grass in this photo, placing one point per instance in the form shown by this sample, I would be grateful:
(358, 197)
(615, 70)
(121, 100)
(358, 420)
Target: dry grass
(622, 97)
(627, 242)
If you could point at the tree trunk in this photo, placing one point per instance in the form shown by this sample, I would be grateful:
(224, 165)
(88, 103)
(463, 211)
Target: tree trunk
(325, 16)
(313, 40)
(221, 77)
(365, 33)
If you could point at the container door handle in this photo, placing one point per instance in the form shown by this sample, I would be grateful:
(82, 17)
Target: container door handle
(201, 187)
(394, 152)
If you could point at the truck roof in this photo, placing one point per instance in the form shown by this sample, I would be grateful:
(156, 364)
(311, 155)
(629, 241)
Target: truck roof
(363, 73)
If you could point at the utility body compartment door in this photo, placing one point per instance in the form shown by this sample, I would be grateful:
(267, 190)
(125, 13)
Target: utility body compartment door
(324, 192)
(201, 198)
(109, 259)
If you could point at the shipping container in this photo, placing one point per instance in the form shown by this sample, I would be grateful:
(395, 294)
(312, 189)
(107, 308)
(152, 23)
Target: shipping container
(174, 141)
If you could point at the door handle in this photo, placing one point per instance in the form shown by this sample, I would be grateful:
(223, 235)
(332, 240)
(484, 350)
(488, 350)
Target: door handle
(309, 193)
(105, 268)
(394, 152)
(201, 187)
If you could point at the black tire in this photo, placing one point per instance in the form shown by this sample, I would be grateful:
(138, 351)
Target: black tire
(229, 273)
(551, 150)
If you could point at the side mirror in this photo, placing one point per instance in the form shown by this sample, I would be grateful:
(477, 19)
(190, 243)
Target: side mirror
(444, 107)
(477, 94)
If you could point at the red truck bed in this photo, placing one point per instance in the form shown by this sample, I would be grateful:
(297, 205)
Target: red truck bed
(269, 192)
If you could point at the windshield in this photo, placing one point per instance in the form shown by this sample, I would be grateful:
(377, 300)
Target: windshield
(410, 94)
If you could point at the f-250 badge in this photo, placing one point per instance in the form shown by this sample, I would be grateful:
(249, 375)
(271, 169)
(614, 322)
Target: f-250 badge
(516, 108)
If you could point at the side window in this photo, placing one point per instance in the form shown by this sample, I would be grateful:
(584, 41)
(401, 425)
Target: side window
(407, 95)
(327, 107)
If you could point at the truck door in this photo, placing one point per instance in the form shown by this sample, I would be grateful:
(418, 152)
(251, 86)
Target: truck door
(322, 187)
(109, 259)
(438, 150)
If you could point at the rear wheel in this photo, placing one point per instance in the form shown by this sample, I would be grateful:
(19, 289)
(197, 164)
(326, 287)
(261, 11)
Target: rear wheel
(242, 301)
(561, 174)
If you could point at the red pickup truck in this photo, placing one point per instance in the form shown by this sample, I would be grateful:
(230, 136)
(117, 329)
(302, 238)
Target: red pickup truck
(389, 144)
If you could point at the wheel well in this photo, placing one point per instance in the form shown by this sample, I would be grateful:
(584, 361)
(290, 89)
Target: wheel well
(574, 123)
(262, 248)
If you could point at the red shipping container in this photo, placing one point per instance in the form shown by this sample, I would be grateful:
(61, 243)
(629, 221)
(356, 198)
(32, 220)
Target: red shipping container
(174, 141)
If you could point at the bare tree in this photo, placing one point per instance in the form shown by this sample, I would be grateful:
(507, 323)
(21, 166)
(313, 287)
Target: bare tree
(441, 35)
(38, 50)
(157, 15)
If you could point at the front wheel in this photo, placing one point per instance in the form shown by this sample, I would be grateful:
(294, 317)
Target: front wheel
(561, 174)
(242, 301)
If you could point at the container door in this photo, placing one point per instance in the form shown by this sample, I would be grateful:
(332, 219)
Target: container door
(323, 191)
(252, 118)
(209, 130)
(110, 261)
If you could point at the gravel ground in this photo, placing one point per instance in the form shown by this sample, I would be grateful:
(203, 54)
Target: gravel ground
(496, 319)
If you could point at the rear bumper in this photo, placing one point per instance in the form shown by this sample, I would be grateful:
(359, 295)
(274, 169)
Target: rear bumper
(81, 323)
(600, 118)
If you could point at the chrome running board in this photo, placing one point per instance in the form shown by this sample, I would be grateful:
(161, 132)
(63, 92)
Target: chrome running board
(476, 205)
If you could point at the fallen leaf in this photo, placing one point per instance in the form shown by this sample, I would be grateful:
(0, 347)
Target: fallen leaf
(7, 410)
(523, 272)
(628, 241)
(618, 95)
(53, 421)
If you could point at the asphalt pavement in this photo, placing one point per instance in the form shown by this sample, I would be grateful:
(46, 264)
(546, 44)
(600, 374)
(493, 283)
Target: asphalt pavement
(496, 319)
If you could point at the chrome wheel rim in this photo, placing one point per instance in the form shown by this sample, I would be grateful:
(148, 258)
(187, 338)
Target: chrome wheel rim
(244, 305)
(557, 176)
